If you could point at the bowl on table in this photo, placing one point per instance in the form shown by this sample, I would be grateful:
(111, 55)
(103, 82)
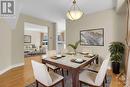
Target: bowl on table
(90, 54)
(79, 60)
(58, 55)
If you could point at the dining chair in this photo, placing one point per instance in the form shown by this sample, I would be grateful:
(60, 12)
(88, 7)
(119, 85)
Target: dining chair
(92, 78)
(52, 53)
(63, 53)
(45, 78)
(95, 67)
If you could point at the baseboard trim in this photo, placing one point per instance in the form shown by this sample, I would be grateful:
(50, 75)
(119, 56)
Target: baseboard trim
(5, 70)
(10, 67)
(17, 65)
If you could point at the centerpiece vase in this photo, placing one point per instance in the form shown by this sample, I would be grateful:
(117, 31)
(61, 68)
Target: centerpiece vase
(75, 52)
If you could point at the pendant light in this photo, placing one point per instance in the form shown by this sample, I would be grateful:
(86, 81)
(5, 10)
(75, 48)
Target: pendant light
(74, 13)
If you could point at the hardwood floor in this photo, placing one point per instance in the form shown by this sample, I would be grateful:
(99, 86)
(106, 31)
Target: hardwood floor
(115, 82)
(21, 76)
(13, 78)
(28, 72)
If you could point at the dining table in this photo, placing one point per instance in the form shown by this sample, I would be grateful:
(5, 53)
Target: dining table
(66, 62)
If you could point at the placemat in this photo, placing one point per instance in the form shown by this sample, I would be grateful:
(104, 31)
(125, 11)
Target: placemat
(55, 57)
(89, 56)
(73, 60)
(83, 53)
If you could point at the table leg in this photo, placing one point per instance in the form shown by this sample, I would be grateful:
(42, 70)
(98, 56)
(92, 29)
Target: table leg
(75, 79)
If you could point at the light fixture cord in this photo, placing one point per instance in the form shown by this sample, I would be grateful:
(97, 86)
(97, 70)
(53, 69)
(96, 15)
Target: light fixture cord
(74, 2)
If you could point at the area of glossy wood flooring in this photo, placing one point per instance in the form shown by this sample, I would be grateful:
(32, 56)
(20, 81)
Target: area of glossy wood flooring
(21, 76)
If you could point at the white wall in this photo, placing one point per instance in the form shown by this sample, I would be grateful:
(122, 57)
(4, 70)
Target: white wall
(60, 27)
(18, 42)
(12, 41)
(120, 4)
(35, 37)
(108, 19)
(5, 45)
(18, 36)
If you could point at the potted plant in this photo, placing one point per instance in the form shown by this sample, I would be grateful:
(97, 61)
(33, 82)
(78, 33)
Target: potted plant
(117, 52)
(74, 46)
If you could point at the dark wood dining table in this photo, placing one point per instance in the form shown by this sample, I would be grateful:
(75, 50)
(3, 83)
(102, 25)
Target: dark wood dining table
(74, 68)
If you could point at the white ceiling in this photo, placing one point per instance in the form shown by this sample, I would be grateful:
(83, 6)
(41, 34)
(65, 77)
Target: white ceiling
(34, 27)
(55, 10)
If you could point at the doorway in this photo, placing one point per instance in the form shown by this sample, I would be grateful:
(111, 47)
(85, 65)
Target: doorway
(35, 39)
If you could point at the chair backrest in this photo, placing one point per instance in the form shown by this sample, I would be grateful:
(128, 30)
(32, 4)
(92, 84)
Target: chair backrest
(40, 73)
(64, 51)
(51, 53)
(102, 72)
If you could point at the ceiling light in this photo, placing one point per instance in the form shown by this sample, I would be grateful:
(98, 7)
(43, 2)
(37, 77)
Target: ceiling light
(74, 13)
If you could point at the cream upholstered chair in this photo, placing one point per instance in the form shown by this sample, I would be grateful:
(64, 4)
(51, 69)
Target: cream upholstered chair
(95, 67)
(42, 76)
(64, 51)
(51, 53)
(92, 78)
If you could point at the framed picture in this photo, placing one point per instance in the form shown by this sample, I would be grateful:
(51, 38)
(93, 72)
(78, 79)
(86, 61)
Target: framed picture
(93, 37)
(27, 38)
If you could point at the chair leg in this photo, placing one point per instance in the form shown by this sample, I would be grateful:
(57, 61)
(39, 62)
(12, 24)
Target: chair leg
(48, 68)
(63, 83)
(62, 71)
(36, 83)
(105, 79)
(67, 72)
(80, 84)
(55, 71)
(97, 60)
(103, 83)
